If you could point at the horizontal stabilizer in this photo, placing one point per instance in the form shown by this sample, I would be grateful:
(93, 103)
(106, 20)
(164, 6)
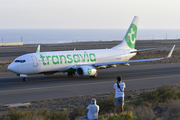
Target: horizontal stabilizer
(143, 50)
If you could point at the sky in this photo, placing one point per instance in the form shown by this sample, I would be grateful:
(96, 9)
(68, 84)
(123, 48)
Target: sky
(89, 14)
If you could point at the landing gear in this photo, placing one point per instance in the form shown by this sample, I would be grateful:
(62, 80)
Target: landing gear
(94, 76)
(25, 79)
(71, 74)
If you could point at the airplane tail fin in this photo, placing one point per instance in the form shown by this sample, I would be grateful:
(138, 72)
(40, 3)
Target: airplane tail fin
(130, 37)
(38, 49)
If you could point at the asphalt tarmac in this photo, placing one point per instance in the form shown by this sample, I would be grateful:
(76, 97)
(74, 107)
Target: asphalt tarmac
(38, 87)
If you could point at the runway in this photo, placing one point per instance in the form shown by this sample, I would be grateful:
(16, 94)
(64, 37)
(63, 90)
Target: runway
(38, 87)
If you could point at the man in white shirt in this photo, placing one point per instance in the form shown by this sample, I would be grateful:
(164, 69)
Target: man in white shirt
(119, 94)
(93, 110)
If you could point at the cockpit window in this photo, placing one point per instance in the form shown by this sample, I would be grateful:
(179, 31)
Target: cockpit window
(21, 61)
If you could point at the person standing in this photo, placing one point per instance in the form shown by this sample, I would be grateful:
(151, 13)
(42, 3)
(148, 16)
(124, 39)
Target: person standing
(119, 94)
(93, 110)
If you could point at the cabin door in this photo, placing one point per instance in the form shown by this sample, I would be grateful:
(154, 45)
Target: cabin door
(35, 62)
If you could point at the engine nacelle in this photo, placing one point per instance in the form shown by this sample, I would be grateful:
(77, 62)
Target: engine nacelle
(86, 71)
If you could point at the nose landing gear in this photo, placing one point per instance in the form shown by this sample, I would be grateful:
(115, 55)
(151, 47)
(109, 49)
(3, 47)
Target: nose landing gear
(24, 76)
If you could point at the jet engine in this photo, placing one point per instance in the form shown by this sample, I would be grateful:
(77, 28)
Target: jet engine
(86, 71)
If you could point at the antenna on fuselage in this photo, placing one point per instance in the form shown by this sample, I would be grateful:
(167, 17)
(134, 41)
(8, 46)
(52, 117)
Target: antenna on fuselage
(38, 49)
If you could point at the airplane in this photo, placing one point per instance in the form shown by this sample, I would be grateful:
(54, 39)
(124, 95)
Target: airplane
(81, 62)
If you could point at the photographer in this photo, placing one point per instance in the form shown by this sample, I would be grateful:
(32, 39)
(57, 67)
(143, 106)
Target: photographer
(119, 94)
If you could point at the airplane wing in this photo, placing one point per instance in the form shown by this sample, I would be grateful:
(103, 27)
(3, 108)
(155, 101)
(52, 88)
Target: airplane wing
(133, 61)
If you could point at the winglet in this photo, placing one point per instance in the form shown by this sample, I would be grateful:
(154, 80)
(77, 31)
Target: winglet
(38, 49)
(170, 53)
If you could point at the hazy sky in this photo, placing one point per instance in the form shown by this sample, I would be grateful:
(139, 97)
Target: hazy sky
(89, 14)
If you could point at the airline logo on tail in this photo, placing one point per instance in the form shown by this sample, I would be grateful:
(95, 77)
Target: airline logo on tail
(131, 36)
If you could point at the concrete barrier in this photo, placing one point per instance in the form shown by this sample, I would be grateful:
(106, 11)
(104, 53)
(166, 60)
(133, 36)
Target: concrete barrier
(11, 44)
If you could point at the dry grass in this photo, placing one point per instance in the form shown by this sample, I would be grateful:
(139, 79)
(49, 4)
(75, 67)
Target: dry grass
(173, 110)
(144, 110)
(34, 117)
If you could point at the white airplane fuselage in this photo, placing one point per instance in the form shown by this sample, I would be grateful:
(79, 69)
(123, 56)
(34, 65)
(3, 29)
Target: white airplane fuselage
(61, 61)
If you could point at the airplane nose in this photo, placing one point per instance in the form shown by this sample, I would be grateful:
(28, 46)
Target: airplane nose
(11, 68)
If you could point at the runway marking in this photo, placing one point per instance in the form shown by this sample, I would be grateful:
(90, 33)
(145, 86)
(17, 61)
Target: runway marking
(67, 77)
(84, 84)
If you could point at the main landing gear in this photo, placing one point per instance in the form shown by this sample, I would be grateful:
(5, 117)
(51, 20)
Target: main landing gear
(25, 79)
(71, 74)
(94, 76)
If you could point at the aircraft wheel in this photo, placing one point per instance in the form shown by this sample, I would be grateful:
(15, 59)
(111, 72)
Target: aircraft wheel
(25, 79)
(73, 74)
(69, 75)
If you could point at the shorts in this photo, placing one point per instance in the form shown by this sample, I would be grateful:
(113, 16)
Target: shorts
(119, 101)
